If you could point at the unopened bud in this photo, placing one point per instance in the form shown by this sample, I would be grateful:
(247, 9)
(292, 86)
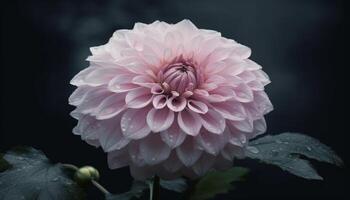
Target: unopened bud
(86, 174)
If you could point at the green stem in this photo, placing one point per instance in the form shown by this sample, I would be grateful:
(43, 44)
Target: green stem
(154, 188)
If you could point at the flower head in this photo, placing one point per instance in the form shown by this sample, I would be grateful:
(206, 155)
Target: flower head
(170, 99)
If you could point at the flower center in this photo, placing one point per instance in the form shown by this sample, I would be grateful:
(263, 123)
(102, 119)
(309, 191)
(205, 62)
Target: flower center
(180, 77)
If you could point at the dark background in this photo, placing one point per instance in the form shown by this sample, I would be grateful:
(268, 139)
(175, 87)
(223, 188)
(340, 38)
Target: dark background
(300, 44)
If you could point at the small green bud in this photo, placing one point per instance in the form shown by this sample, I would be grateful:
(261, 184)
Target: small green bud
(85, 174)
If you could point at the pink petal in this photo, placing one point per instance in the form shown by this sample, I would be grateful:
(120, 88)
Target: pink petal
(134, 153)
(110, 135)
(173, 136)
(251, 65)
(160, 119)
(247, 76)
(118, 159)
(236, 66)
(78, 80)
(197, 106)
(211, 143)
(88, 127)
(231, 151)
(159, 101)
(263, 102)
(235, 136)
(216, 67)
(259, 128)
(231, 110)
(256, 85)
(220, 94)
(100, 76)
(143, 80)
(187, 152)
(189, 122)
(154, 150)
(243, 93)
(213, 121)
(133, 123)
(204, 164)
(93, 99)
(122, 83)
(138, 98)
(78, 95)
(157, 89)
(242, 51)
(186, 25)
(176, 103)
(216, 79)
(262, 77)
(110, 106)
(244, 125)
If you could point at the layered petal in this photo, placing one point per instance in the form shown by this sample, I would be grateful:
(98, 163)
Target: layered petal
(133, 123)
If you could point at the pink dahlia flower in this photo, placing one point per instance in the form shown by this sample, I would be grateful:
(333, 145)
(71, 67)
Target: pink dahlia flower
(170, 99)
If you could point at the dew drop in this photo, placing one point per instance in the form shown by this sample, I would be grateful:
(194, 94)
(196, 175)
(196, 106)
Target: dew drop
(252, 149)
(68, 183)
(55, 179)
(308, 148)
(274, 152)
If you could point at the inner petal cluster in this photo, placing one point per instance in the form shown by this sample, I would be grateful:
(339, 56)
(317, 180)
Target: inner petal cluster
(176, 83)
(180, 77)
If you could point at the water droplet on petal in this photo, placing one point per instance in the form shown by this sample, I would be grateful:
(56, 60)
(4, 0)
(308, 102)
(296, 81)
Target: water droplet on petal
(308, 148)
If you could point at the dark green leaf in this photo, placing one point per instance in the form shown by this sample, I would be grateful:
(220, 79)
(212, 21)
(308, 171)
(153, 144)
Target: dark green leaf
(4, 165)
(176, 185)
(32, 176)
(284, 150)
(136, 191)
(217, 183)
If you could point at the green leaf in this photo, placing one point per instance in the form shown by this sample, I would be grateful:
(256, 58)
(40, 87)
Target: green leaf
(284, 150)
(32, 176)
(136, 191)
(217, 183)
(176, 185)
